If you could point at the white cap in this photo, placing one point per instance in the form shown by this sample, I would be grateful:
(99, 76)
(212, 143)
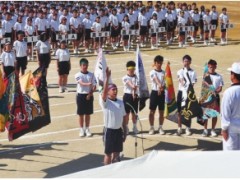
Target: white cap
(235, 68)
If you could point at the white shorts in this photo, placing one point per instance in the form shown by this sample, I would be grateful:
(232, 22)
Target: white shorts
(233, 142)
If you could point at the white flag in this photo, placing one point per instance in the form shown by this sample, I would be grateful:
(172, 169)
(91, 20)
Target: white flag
(100, 70)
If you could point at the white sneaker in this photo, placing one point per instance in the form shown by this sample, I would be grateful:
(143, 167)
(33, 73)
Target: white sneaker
(151, 131)
(60, 89)
(205, 133)
(135, 130)
(152, 47)
(75, 51)
(124, 49)
(211, 40)
(161, 131)
(180, 45)
(179, 131)
(188, 132)
(205, 43)
(213, 133)
(28, 58)
(95, 53)
(88, 133)
(65, 89)
(86, 51)
(81, 132)
(193, 40)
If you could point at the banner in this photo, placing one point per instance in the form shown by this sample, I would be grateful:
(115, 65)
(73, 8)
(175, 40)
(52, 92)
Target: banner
(190, 107)
(170, 111)
(100, 70)
(142, 82)
(208, 99)
(18, 120)
(3, 104)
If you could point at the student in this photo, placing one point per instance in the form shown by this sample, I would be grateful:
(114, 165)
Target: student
(114, 121)
(76, 28)
(86, 85)
(20, 47)
(125, 26)
(114, 26)
(54, 24)
(40, 23)
(214, 21)
(7, 26)
(196, 22)
(43, 51)
(157, 96)
(201, 22)
(217, 84)
(154, 25)
(207, 21)
(8, 60)
(142, 24)
(187, 60)
(224, 20)
(96, 27)
(87, 23)
(169, 25)
(63, 66)
(18, 26)
(182, 33)
(29, 31)
(230, 111)
(63, 28)
(130, 95)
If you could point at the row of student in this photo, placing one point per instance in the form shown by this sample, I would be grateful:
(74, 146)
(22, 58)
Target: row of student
(116, 112)
(86, 84)
(110, 19)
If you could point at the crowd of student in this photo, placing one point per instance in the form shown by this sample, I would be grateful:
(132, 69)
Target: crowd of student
(82, 18)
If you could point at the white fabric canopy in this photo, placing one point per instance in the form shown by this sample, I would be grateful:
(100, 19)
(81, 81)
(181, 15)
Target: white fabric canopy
(170, 164)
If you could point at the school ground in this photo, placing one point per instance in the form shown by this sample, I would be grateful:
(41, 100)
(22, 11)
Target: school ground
(57, 150)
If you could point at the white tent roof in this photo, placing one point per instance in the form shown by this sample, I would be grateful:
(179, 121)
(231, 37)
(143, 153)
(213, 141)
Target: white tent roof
(170, 164)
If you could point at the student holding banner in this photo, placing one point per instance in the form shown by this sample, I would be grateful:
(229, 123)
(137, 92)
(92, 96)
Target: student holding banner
(217, 84)
(187, 60)
(20, 47)
(86, 85)
(157, 97)
(8, 60)
(63, 66)
(29, 31)
(224, 21)
(43, 51)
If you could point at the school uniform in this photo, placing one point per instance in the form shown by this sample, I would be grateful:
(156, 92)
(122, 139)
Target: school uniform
(7, 27)
(8, 62)
(224, 18)
(63, 28)
(231, 117)
(76, 22)
(207, 20)
(157, 100)
(103, 22)
(18, 27)
(44, 55)
(114, 24)
(96, 27)
(84, 106)
(169, 22)
(196, 21)
(67, 17)
(180, 75)
(132, 20)
(126, 26)
(214, 18)
(143, 24)
(41, 24)
(128, 94)
(154, 25)
(201, 23)
(182, 22)
(30, 30)
(159, 17)
(87, 26)
(54, 30)
(63, 57)
(20, 48)
(114, 112)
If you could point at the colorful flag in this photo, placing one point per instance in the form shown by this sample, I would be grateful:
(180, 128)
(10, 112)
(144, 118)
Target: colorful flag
(18, 120)
(143, 92)
(208, 99)
(100, 70)
(3, 104)
(190, 107)
(170, 111)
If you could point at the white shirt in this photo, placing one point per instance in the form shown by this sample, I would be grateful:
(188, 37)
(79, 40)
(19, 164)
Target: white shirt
(21, 48)
(87, 23)
(182, 21)
(43, 47)
(55, 25)
(96, 27)
(126, 79)
(8, 58)
(160, 76)
(63, 28)
(132, 19)
(103, 21)
(68, 19)
(125, 25)
(230, 109)
(207, 19)
(217, 80)
(195, 17)
(29, 29)
(142, 19)
(85, 78)
(214, 15)
(169, 17)
(7, 26)
(18, 26)
(113, 113)
(153, 23)
(75, 21)
(224, 18)
(113, 19)
(63, 55)
(192, 76)
(159, 16)
(41, 24)
(120, 16)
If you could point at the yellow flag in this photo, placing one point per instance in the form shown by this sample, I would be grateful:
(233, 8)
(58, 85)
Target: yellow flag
(2, 86)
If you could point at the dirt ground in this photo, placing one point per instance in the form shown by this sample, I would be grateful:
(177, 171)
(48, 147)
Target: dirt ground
(57, 149)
